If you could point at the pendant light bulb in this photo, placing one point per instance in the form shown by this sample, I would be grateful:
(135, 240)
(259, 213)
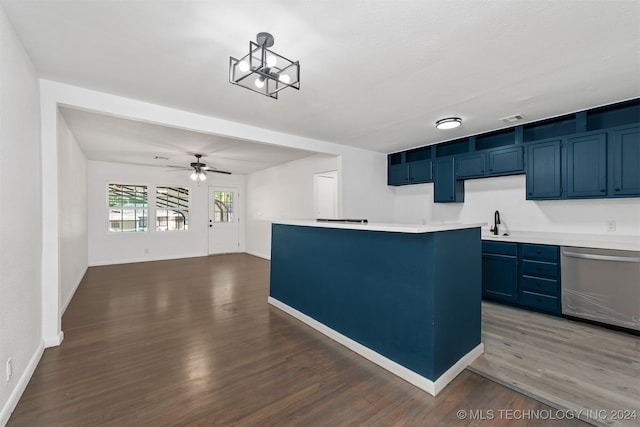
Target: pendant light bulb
(243, 66)
(202, 176)
(260, 82)
(194, 176)
(284, 78)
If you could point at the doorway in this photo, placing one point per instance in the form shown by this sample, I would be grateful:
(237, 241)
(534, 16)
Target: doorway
(325, 194)
(224, 231)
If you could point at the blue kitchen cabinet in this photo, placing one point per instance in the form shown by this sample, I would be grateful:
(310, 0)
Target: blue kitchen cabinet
(397, 170)
(506, 161)
(500, 271)
(420, 172)
(624, 162)
(586, 158)
(471, 165)
(539, 287)
(544, 170)
(403, 169)
(446, 188)
(398, 174)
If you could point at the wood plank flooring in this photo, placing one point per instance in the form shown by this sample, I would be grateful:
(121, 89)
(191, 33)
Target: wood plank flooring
(570, 365)
(194, 342)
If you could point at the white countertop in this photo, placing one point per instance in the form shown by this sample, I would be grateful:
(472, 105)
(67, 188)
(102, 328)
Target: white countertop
(600, 241)
(394, 228)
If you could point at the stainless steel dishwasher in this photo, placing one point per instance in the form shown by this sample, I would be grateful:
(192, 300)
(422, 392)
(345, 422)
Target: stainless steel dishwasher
(602, 285)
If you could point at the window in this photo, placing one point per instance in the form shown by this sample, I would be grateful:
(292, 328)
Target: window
(127, 208)
(172, 208)
(223, 206)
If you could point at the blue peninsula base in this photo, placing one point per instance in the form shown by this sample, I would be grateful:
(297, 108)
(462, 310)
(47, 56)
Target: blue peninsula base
(407, 301)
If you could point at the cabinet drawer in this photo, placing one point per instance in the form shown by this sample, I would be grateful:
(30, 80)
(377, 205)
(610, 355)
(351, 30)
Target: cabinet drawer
(539, 285)
(539, 268)
(502, 248)
(541, 252)
(539, 301)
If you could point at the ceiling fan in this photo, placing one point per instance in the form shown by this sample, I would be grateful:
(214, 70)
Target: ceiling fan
(199, 169)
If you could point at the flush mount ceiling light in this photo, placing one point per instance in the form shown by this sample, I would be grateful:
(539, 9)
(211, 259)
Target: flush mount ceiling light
(449, 123)
(264, 71)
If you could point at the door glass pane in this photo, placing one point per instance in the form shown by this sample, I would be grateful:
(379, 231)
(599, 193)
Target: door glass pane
(223, 206)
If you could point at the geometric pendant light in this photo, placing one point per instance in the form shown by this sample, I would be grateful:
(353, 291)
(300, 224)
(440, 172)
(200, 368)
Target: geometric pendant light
(264, 71)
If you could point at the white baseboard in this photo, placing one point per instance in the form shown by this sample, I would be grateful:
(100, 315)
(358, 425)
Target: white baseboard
(53, 341)
(21, 385)
(431, 387)
(259, 255)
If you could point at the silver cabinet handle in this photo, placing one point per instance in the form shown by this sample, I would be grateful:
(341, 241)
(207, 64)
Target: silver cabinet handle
(601, 257)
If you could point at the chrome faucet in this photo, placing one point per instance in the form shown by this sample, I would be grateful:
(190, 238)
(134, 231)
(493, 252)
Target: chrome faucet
(496, 221)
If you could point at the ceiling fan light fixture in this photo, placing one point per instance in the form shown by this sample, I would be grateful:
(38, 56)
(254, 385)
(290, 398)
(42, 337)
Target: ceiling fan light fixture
(448, 123)
(264, 71)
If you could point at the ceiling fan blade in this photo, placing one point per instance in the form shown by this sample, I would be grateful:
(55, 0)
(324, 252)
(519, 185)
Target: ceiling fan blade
(212, 169)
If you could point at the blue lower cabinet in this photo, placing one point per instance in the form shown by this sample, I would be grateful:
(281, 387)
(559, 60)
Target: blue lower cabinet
(500, 277)
(522, 275)
(500, 271)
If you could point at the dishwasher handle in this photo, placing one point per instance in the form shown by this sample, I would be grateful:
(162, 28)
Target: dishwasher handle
(601, 257)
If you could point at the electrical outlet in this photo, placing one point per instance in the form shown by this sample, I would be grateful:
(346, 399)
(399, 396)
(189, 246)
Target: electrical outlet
(611, 225)
(9, 369)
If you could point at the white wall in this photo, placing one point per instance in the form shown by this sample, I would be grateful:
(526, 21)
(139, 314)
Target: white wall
(113, 248)
(72, 213)
(286, 192)
(365, 193)
(414, 204)
(20, 218)
(280, 192)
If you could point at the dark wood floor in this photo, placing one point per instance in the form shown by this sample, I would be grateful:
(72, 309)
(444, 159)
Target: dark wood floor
(194, 342)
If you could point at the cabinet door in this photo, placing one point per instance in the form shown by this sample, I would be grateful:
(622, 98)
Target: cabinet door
(500, 277)
(587, 166)
(397, 174)
(624, 162)
(470, 165)
(543, 170)
(420, 171)
(446, 188)
(503, 161)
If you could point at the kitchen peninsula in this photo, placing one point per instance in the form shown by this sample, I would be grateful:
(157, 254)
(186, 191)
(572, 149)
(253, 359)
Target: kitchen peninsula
(406, 297)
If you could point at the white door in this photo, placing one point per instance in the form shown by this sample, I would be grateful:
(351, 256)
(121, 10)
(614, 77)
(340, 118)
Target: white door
(224, 232)
(325, 199)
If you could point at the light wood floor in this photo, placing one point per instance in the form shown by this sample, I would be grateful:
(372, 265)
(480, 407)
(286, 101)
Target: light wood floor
(570, 365)
(194, 342)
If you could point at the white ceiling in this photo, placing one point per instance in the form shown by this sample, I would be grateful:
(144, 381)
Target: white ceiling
(375, 74)
(114, 139)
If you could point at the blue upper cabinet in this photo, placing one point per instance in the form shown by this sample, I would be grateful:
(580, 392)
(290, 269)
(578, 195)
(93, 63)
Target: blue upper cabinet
(586, 166)
(505, 161)
(397, 170)
(446, 188)
(543, 170)
(409, 167)
(471, 165)
(420, 172)
(589, 154)
(624, 162)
